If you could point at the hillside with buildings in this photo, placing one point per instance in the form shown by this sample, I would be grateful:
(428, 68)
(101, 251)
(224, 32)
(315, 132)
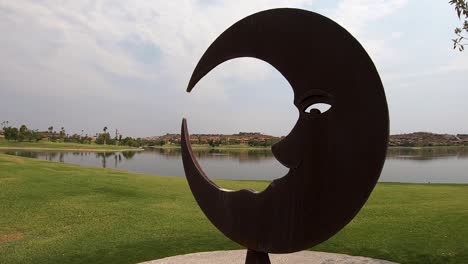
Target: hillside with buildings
(245, 138)
(417, 139)
(425, 139)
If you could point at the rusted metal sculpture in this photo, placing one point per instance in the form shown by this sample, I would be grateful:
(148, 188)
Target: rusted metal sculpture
(334, 158)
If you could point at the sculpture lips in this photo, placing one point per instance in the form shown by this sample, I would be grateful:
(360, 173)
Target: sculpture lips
(335, 158)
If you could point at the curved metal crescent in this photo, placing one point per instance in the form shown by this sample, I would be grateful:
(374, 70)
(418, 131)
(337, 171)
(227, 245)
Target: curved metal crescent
(335, 158)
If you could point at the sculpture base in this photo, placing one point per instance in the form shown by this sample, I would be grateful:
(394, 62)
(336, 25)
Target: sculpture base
(255, 257)
(239, 257)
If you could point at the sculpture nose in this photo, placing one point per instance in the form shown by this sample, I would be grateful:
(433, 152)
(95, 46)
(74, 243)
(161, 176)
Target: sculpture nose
(288, 151)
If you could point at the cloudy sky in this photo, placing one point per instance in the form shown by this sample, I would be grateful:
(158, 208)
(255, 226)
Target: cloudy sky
(126, 65)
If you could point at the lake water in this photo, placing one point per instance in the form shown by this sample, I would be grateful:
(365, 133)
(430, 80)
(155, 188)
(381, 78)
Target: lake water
(426, 165)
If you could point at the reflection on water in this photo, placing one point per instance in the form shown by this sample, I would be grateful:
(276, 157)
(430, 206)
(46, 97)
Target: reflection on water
(428, 154)
(240, 155)
(418, 165)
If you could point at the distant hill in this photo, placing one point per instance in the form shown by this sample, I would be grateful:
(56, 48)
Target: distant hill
(240, 138)
(416, 139)
(426, 139)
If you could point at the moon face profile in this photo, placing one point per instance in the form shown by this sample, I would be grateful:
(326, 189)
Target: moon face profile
(334, 157)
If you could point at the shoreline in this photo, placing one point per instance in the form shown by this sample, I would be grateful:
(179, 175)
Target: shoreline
(193, 146)
(266, 148)
(71, 149)
(236, 147)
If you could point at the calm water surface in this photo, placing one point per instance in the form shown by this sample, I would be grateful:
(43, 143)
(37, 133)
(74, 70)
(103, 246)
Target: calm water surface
(427, 165)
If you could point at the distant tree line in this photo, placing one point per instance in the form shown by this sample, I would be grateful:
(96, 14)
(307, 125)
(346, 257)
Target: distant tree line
(23, 133)
(253, 142)
(264, 143)
(20, 134)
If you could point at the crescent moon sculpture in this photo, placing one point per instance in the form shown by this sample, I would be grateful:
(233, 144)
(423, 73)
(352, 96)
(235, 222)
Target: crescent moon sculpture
(334, 158)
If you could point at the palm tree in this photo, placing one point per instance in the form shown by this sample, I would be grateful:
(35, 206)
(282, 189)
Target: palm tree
(50, 129)
(104, 135)
(62, 134)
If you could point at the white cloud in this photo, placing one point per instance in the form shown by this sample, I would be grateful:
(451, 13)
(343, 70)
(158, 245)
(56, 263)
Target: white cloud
(396, 35)
(89, 32)
(458, 64)
(357, 15)
(354, 15)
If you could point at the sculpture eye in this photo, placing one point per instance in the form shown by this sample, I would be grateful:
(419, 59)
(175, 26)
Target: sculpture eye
(317, 108)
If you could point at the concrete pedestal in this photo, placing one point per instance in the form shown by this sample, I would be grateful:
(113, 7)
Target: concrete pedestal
(238, 257)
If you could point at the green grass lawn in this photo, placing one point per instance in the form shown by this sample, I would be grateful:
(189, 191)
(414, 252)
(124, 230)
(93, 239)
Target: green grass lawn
(58, 145)
(60, 213)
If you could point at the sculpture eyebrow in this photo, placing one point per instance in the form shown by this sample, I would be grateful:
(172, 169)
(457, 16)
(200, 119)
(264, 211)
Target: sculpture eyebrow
(315, 95)
(314, 98)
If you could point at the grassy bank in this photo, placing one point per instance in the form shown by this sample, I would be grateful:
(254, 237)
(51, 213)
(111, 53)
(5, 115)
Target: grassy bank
(60, 213)
(4, 144)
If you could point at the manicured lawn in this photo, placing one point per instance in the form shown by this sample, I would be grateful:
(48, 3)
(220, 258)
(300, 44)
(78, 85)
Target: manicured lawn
(58, 145)
(60, 213)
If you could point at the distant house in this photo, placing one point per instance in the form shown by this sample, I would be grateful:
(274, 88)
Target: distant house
(463, 137)
(2, 133)
(426, 139)
(240, 138)
(45, 134)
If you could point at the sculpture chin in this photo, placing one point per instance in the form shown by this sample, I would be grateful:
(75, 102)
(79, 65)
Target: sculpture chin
(200, 174)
